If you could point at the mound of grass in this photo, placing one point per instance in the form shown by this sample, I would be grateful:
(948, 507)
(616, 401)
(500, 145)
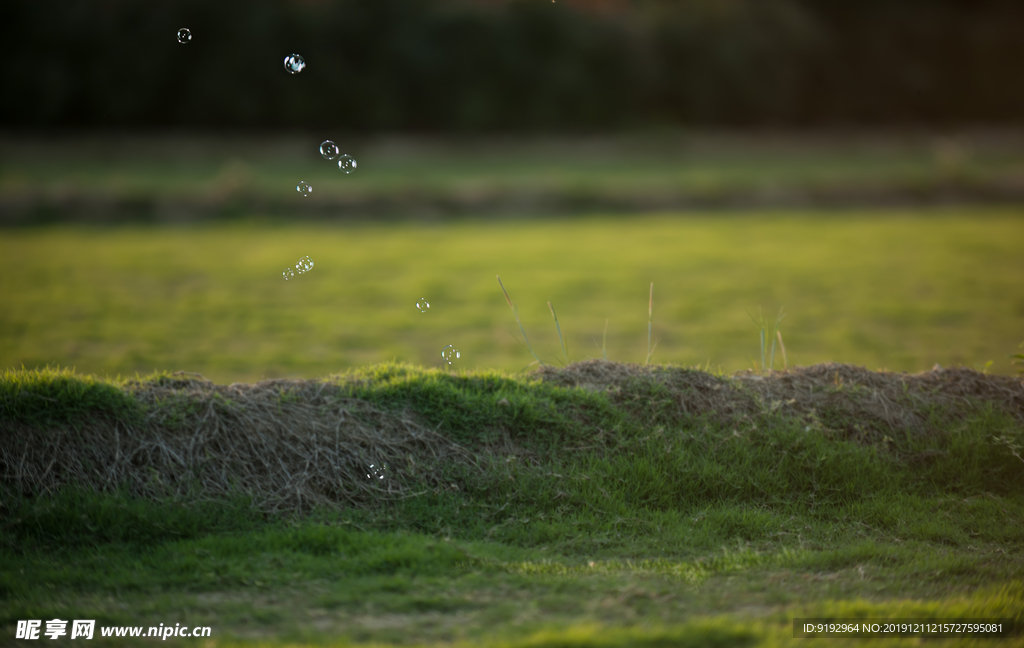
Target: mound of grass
(484, 408)
(594, 442)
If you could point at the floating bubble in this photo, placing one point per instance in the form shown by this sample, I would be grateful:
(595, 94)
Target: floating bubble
(329, 150)
(184, 35)
(304, 265)
(294, 63)
(288, 273)
(450, 354)
(376, 471)
(303, 188)
(347, 163)
(423, 305)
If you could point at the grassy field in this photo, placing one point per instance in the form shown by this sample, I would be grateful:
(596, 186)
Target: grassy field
(899, 289)
(602, 517)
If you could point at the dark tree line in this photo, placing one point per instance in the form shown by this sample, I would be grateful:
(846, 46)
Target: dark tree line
(518, 65)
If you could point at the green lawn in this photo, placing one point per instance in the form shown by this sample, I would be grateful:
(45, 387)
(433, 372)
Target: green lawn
(900, 289)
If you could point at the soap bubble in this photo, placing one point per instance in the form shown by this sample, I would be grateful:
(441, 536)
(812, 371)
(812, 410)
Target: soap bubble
(288, 273)
(184, 35)
(303, 188)
(347, 163)
(423, 305)
(450, 354)
(294, 63)
(329, 150)
(376, 471)
(304, 265)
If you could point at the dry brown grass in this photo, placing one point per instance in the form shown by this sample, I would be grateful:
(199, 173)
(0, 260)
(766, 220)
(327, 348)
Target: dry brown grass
(875, 403)
(292, 444)
(289, 444)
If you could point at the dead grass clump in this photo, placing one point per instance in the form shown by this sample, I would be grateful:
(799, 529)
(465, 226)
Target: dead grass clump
(888, 402)
(864, 404)
(288, 444)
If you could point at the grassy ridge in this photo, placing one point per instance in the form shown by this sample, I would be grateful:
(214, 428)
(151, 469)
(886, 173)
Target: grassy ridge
(900, 290)
(612, 523)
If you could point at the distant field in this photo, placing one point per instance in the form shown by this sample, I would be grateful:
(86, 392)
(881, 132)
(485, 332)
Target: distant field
(178, 178)
(901, 290)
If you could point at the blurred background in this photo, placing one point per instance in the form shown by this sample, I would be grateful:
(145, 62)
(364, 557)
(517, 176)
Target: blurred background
(858, 163)
(469, 66)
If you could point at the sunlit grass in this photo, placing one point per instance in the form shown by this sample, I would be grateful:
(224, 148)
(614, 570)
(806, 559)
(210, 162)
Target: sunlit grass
(899, 290)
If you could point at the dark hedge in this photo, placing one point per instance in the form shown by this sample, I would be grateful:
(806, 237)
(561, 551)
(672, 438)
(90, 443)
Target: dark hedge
(517, 65)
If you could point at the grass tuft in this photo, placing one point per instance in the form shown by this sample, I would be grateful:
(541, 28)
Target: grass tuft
(53, 397)
(768, 364)
(515, 311)
(650, 318)
(565, 353)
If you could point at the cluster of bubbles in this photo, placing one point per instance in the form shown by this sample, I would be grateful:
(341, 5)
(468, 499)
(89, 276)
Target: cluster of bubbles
(376, 471)
(331, 152)
(293, 64)
(450, 354)
(304, 265)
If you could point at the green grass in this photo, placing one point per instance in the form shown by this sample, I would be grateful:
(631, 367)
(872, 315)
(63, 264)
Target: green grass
(743, 571)
(62, 397)
(901, 290)
(668, 530)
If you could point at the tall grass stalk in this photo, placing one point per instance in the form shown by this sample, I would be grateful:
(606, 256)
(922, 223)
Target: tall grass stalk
(762, 324)
(515, 311)
(650, 317)
(560, 338)
(785, 361)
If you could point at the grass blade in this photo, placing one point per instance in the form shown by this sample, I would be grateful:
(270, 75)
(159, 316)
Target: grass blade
(775, 334)
(515, 311)
(650, 316)
(564, 352)
(785, 361)
(760, 324)
(767, 364)
(762, 350)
